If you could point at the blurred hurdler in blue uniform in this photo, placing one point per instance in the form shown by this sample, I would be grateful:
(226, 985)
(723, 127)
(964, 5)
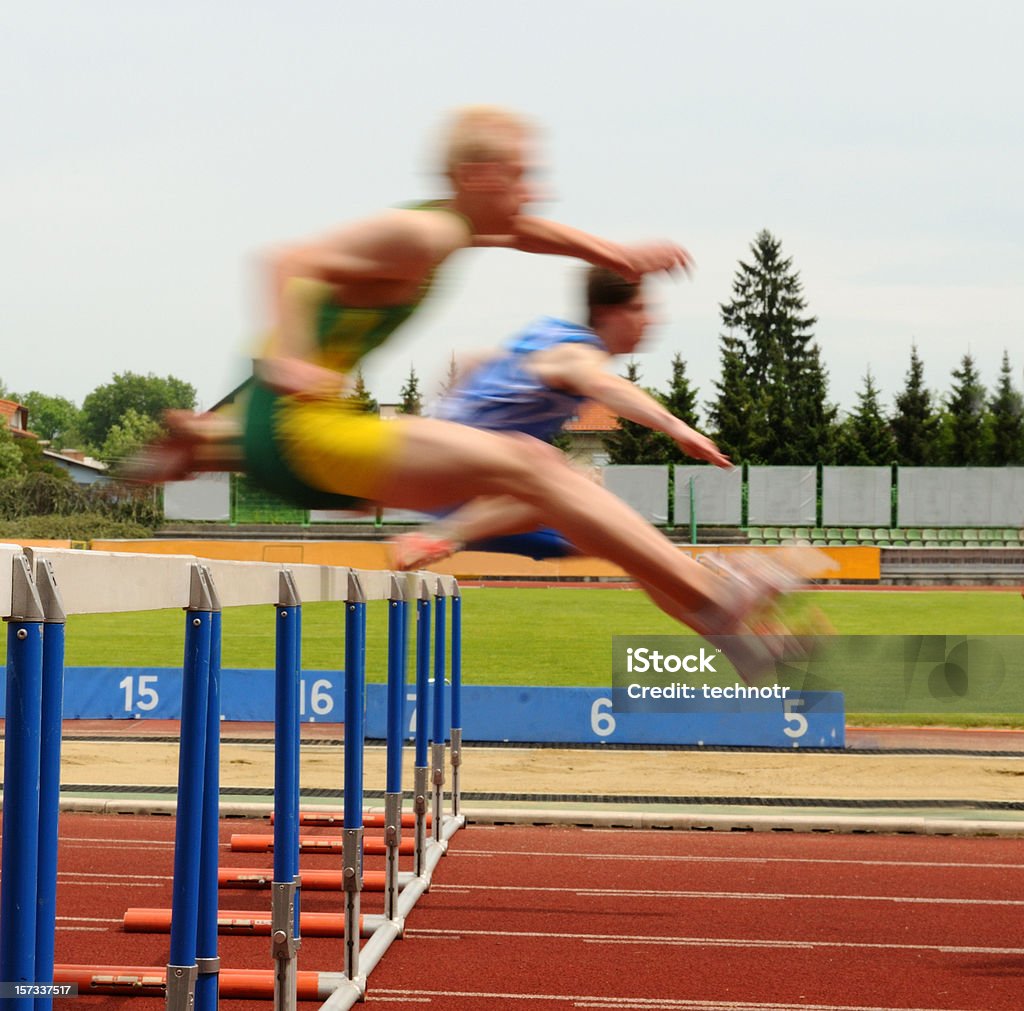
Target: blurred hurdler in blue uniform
(533, 386)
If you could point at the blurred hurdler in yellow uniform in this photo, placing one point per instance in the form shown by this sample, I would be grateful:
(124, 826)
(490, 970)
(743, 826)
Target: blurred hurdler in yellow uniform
(339, 296)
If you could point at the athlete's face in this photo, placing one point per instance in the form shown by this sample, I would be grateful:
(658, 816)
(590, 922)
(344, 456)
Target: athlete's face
(498, 191)
(515, 189)
(623, 326)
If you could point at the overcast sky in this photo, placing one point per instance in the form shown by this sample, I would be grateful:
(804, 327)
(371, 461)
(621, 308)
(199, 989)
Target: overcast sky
(151, 151)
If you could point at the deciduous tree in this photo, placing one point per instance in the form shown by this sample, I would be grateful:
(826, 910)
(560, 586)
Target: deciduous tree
(149, 396)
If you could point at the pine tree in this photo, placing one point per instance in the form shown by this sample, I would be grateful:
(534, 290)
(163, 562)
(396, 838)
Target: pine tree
(632, 442)
(412, 400)
(361, 395)
(736, 415)
(915, 421)
(451, 378)
(680, 400)
(1006, 421)
(865, 438)
(772, 405)
(965, 417)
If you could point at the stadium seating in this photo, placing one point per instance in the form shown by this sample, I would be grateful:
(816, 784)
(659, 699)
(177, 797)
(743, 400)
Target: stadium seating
(884, 537)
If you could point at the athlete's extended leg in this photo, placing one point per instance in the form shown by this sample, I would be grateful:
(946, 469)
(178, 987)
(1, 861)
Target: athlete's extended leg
(437, 462)
(477, 521)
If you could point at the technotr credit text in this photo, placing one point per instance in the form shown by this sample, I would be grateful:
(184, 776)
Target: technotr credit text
(678, 690)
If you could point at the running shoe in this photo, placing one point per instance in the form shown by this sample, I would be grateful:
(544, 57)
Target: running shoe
(415, 549)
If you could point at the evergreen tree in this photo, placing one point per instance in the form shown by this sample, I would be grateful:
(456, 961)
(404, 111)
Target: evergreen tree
(412, 400)
(680, 400)
(361, 395)
(632, 442)
(778, 412)
(736, 415)
(915, 421)
(865, 438)
(965, 417)
(451, 378)
(1006, 421)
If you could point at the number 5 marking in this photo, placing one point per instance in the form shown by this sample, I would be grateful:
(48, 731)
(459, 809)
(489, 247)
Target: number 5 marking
(798, 720)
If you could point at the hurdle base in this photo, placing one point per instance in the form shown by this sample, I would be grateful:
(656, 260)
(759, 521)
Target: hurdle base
(345, 993)
(151, 981)
(249, 923)
(181, 987)
(256, 879)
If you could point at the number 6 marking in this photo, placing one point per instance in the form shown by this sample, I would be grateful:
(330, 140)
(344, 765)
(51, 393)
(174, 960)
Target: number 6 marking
(602, 722)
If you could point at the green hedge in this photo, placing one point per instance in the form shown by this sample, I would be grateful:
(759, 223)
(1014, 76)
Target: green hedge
(76, 527)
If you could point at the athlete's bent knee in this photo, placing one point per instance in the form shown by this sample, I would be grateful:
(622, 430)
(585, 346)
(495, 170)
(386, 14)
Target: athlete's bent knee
(531, 462)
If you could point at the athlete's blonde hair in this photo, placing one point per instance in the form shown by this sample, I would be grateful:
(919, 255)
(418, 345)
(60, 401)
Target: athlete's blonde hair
(477, 133)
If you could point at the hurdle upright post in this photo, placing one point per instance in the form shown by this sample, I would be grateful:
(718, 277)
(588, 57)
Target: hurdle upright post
(395, 735)
(20, 858)
(456, 731)
(207, 959)
(285, 897)
(421, 771)
(297, 749)
(352, 830)
(51, 719)
(438, 736)
(182, 968)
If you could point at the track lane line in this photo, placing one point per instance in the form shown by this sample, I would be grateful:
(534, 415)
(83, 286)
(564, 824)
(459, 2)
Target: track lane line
(683, 858)
(652, 1003)
(653, 893)
(439, 933)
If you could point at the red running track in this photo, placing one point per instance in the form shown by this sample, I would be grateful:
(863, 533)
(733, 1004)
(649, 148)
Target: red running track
(560, 918)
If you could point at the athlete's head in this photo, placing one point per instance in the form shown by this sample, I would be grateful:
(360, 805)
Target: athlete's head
(486, 154)
(616, 310)
(483, 133)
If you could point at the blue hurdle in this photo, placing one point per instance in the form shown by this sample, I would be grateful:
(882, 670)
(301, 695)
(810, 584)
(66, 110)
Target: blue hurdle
(28, 864)
(46, 582)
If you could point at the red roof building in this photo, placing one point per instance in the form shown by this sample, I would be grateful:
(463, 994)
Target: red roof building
(15, 417)
(587, 431)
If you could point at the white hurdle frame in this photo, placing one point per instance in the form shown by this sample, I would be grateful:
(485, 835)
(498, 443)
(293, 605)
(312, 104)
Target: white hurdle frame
(45, 585)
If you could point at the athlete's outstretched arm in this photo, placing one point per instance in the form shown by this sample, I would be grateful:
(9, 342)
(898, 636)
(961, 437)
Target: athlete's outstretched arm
(539, 235)
(582, 370)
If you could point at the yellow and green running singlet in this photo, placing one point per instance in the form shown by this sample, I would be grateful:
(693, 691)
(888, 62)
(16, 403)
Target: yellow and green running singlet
(325, 452)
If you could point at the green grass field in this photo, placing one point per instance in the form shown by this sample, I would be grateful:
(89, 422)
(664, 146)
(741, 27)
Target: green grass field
(552, 636)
